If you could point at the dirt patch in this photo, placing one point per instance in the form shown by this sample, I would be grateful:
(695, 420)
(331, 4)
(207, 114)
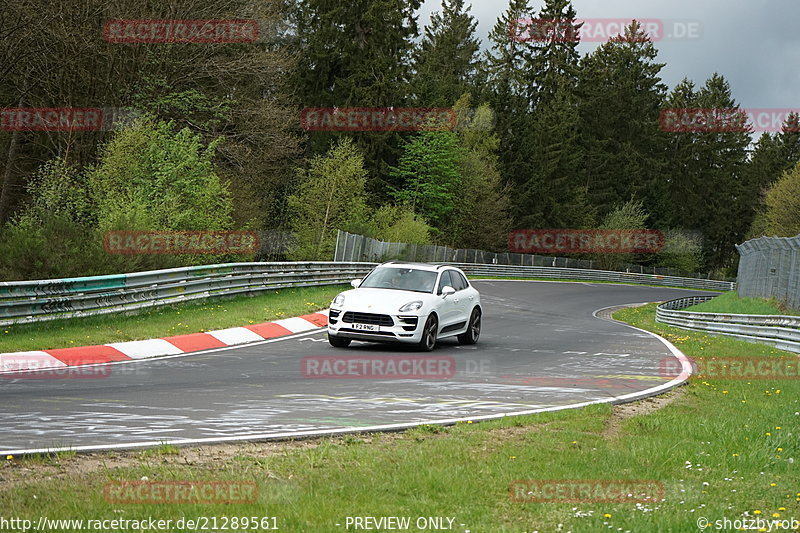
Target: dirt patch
(621, 413)
(24, 470)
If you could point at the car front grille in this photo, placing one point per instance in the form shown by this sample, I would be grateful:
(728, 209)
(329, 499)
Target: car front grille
(368, 318)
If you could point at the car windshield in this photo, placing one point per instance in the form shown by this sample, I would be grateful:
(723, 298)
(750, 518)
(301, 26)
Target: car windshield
(404, 279)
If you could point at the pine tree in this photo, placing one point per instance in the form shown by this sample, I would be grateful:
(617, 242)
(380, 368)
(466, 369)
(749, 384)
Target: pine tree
(357, 54)
(621, 93)
(683, 202)
(554, 195)
(507, 93)
(724, 199)
(445, 61)
(552, 57)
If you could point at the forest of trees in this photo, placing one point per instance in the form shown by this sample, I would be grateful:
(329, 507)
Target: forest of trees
(545, 137)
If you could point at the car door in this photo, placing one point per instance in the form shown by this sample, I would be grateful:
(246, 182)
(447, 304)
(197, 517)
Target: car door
(465, 298)
(448, 306)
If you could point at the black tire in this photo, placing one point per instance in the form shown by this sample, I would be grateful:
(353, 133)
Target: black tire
(338, 342)
(473, 329)
(429, 334)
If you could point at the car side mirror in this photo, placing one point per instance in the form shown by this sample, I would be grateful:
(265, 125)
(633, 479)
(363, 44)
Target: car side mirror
(355, 283)
(448, 290)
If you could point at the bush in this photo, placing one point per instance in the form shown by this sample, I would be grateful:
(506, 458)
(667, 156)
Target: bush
(681, 251)
(147, 178)
(399, 224)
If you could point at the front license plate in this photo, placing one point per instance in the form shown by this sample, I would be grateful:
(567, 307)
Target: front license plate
(366, 327)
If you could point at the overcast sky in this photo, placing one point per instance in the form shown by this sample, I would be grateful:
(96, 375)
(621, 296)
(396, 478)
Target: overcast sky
(755, 44)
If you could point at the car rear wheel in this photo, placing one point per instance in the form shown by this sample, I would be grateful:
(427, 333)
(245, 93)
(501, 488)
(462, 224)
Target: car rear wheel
(429, 334)
(473, 330)
(338, 342)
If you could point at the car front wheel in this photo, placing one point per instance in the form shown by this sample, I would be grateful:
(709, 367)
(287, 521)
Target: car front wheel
(338, 342)
(473, 330)
(429, 334)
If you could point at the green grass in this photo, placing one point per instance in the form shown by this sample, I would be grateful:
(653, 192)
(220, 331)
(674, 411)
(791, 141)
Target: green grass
(720, 449)
(730, 302)
(166, 321)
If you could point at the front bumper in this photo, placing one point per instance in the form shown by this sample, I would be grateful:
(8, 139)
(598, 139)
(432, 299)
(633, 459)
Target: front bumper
(406, 327)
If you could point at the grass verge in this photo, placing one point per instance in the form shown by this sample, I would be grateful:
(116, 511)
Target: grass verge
(191, 317)
(721, 449)
(730, 302)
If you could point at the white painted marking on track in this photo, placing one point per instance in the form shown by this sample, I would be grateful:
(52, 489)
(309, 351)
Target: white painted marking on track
(232, 336)
(24, 361)
(296, 324)
(146, 348)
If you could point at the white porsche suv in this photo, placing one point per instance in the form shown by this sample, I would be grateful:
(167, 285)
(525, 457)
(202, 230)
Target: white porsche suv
(407, 302)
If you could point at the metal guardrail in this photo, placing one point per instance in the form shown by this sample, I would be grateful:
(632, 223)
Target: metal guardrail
(593, 275)
(33, 301)
(781, 331)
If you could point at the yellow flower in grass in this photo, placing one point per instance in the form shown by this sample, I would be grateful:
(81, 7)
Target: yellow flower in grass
(756, 512)
(772, 484)
(9, 457)
(776, 515)
(607, 515)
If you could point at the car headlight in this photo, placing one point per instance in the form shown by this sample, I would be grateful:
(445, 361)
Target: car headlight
(339, 300)
(411, 306)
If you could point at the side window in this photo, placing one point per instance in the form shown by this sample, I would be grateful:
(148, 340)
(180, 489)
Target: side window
(458, 283)
(444, 281)
(459, 278)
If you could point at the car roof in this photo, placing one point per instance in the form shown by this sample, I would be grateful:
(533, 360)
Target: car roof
(410, 264)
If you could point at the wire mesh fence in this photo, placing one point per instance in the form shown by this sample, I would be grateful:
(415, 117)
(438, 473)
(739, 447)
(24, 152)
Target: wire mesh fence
(769, 267)
(351, 247)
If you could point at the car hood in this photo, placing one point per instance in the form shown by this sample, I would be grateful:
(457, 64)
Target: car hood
(384, 301)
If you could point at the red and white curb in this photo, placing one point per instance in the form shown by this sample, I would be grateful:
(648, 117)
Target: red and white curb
(176, 345)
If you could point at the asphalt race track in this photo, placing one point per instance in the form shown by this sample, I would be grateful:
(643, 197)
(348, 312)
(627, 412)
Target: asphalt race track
(541, 348)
